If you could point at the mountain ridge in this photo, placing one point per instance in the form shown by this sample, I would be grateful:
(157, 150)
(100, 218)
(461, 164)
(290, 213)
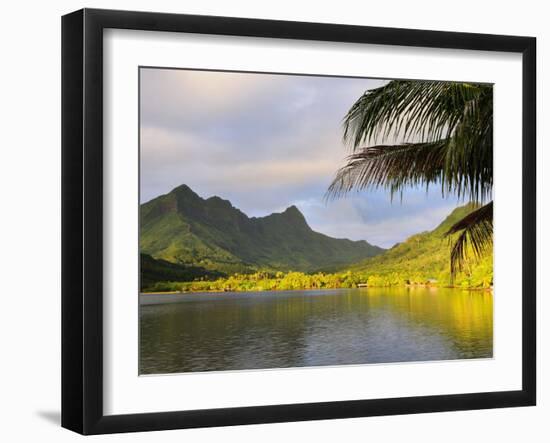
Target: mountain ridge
(182, 227)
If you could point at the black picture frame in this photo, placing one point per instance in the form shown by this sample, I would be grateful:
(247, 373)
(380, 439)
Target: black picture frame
(82, 218)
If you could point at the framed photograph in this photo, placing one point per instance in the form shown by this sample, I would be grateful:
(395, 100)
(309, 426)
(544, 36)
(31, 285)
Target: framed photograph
(268, 221)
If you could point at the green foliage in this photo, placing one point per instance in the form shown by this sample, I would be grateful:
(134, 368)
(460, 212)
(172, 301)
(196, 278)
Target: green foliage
(152, 271)
(265, 281)
(475, 234)
(183, 228)
(423, 259)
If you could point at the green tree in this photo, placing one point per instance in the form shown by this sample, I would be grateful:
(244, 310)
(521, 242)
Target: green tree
(410, 133)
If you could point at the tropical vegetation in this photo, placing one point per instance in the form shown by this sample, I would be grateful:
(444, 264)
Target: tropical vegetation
(420, 260)
(426, 133)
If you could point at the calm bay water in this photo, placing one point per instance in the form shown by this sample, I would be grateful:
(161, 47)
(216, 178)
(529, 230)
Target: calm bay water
(253, 330)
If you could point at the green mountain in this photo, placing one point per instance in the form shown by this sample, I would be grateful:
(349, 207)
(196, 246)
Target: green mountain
(182, 228)
(424, 257)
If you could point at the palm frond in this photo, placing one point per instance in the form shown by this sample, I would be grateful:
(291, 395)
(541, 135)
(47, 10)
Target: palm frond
(392, 167)
(429, 109)
(426, 133)
(476, 233)
(459, 114)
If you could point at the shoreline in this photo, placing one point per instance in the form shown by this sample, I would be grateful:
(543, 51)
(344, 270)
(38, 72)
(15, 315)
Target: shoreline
(490, 289)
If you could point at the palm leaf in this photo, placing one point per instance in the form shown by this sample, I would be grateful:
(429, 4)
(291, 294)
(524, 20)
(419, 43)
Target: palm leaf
(393, 167)
(458, 114)
(476, 233)
(425, 133)
(429, 109)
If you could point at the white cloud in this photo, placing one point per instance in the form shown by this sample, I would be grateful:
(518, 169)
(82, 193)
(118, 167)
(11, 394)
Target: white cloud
(176, 96)
(265, 142)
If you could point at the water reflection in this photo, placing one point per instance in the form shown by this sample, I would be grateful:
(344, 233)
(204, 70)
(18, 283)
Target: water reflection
(231, 331)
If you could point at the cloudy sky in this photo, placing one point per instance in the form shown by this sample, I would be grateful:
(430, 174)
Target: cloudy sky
(266, 142)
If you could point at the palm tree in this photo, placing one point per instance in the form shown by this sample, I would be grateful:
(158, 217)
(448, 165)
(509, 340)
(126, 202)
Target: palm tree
(428, 133)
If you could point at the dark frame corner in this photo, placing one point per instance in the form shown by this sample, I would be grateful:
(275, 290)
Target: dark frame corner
(82, 151)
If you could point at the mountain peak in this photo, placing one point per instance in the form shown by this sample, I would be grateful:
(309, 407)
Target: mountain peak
(293, 216)
(292, 210)
(183, 190)
(213, 234)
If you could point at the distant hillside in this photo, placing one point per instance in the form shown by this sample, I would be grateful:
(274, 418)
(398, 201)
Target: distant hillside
(152, 271)
(425, 256)
(183, 228)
